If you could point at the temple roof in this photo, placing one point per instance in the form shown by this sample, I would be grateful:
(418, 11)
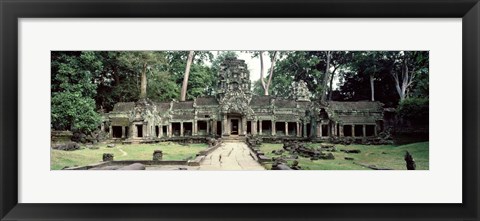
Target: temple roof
(182, 105)
(204, 101)
(259, 101)
(370, 106)
(123, 107)
(285, 103)
(162, 106)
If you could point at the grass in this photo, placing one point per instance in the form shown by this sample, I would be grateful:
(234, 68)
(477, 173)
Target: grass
(382, 156)
(171, 151)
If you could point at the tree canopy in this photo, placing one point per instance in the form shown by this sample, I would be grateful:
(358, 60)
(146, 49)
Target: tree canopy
(83, 83)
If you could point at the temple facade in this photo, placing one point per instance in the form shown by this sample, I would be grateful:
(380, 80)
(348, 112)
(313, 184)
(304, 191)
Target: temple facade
(235, 112)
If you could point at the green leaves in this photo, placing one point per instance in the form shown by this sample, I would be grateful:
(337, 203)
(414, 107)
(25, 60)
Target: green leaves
(72, 111)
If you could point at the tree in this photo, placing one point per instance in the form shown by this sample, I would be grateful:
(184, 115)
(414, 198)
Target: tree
(273, 59)
(406, 67)
(141, 62)
(325, 78)
(73, 89)
(185, 76)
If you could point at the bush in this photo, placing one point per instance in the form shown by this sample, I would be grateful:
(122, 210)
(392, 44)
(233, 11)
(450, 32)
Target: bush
(71, 111)
(415, 110)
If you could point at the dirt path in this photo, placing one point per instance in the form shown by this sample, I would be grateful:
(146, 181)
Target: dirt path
(231, 156)
(123, 152)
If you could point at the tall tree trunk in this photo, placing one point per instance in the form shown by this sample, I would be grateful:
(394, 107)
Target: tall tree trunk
(325, 78)
(330, 91)
(143, 82)
(274, 59)
(185, 76)
(372, 88)
(262, 80)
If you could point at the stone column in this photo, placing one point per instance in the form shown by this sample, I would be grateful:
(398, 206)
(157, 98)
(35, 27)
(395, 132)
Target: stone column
(160, 131)
(375, 130)
(194, 127)
(286, 128)
(319, 130)
(364, 131)
(208, 127)
(305, 130)
(110, 131)
(254, 127)
(334, 128)
(123, 132)
(260, 127)
(244, 126)
(170, 130)
(225, 126)
(145, 132)
(214, 127)
(274, 128)
(353, 130)
(299, 134)
(341, 130)
(181, 129)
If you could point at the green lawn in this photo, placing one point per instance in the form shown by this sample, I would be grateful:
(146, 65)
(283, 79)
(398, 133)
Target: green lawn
(171, 151)
(382, 156)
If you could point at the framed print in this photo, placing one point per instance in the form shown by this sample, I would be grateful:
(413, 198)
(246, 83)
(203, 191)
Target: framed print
(229, 110)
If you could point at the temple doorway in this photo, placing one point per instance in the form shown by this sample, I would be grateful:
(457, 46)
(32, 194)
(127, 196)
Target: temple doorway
(234, 127)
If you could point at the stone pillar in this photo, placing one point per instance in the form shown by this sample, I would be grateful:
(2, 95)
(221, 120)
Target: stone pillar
(341, 130)
(364, 131)
(145, 132)
(254, 127)
(260, 127)
(181, 129)
(334, 128)
(123, 132)
(353, 131)
(160, 130)
(225, 126)
(244, 126)
(319, 130)
(194, 127)
(375, 130)
(305, 130)
(214, 127)
(299, 134)
(208, 127)
(286, 128)
(110, 131)
(274, 128)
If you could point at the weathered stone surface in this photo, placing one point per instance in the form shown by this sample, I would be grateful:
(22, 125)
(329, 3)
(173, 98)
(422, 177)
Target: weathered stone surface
(107, 157)
(111, 145)
(135, 166)
(410, 162)
(67, 147)
(157, 155)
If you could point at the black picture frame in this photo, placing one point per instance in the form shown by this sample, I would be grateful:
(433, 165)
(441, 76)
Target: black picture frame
(11, 11)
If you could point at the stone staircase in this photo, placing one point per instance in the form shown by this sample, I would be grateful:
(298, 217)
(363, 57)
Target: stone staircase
(234, 139)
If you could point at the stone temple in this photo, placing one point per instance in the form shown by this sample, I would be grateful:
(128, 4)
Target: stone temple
(234, 112)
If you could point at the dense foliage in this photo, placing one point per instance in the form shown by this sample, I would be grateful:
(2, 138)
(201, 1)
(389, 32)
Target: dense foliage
(83, 83)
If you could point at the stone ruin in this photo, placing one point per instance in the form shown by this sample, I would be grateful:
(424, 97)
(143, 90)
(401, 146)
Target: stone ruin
(70, 146)
(236, 112)
(410, 162)
(296, 148)
(107, 157)
(157, 155)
